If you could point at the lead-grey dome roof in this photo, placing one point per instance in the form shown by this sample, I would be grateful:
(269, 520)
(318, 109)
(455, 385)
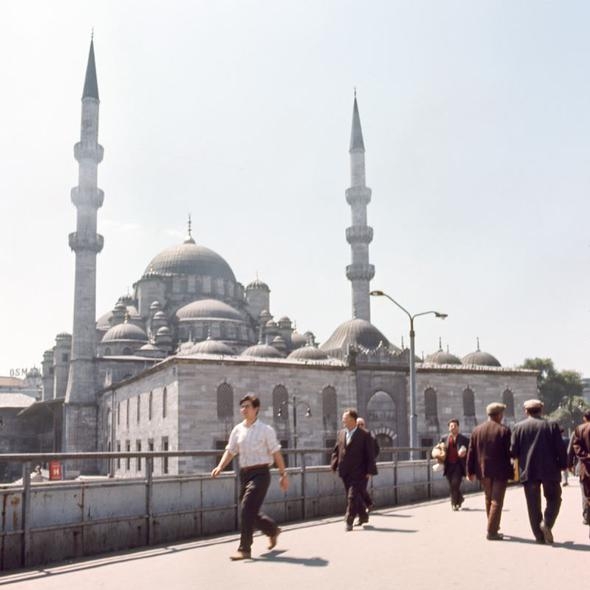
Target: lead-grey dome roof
(480, 358)
(208, 309)
(189, 258)
(211, 347)
(309, 352)
(356, 332)
(262, 351)
(125, 331)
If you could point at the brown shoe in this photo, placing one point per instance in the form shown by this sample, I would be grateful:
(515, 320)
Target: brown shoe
(239, 555)
(547, 534)
(272, 539)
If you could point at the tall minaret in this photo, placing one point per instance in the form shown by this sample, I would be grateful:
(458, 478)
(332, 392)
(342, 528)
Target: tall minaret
(359, 235)
(80, 409)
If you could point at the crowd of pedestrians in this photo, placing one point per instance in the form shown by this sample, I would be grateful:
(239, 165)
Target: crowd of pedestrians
(533, 453)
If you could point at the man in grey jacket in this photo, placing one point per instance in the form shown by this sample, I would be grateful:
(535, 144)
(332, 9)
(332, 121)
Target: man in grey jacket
(541, 454)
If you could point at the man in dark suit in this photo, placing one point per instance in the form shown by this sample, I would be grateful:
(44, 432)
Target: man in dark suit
(541, 454)
(454, 470)
(354, 459)
(488, 459)
(581, 449)
(360, 422)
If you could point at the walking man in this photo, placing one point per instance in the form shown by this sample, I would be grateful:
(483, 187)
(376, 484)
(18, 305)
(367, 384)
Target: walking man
(537, 445)
(581, 449)
(257, 446)
(488, 459)
(360, 422)
(354, 459)
(454, 468)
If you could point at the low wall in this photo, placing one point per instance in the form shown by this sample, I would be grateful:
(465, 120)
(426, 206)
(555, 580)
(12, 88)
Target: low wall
(48, 522)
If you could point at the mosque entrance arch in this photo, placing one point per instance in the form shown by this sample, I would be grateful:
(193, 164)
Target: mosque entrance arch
(382, 421)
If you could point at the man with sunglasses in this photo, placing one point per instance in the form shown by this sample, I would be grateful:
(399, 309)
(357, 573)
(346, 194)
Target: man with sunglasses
(258, 448)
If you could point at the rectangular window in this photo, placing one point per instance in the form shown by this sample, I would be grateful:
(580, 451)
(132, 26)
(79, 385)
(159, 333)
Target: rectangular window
(165, 459)
(118, 451)
(127, 412)
(151, 449)
(138, 449)
(138, 408)
(118, 413)
(128, 450)
(164, 402)
(150, 405)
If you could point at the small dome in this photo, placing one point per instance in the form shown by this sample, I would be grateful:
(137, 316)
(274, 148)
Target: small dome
(309, 352)
(149, 346)
(125, 331)
(155, 305)
(262, 351)
(160, 315)
(121, 307)
(440, 357)
(208, 309)
(298, 340)
(356, 332)
(270, 324)
(190, 259)
(211, 347)
(163, 331)
(483, 359)
(257, 284)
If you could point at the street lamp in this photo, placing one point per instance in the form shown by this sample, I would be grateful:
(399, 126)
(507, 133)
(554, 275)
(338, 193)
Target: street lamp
(413, 415)
(294, 403)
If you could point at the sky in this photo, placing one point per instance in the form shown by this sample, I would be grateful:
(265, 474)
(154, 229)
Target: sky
(476, 123)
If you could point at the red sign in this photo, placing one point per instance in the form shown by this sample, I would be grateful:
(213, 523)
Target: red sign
(55, 470)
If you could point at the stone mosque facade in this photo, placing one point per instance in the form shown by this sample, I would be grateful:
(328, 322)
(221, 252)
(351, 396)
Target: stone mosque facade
(164, 369)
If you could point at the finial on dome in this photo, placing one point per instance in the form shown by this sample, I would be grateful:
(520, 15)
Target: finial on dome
(439, 343)
(189, 238)
(477, 338)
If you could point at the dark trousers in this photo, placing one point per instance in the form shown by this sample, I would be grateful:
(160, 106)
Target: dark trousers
(355, 506)
(454, 476)
(585, 487)
(253, 487)
(552, 493)
(494, 491)
(367, 500)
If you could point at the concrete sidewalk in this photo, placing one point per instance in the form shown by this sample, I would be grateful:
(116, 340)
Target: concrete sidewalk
(424, 546)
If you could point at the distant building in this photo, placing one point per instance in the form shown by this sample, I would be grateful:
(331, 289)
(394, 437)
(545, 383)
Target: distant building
(165, 367)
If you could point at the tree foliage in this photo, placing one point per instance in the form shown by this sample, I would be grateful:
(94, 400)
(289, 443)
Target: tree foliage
(556, 388)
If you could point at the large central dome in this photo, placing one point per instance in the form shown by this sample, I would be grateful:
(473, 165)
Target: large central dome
(189, 258)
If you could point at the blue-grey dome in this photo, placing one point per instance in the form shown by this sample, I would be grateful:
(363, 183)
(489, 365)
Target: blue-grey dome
(211, 347)
(309, 352)
(208, 309)
(480, 358)
(125, 331)
(262, 351)
(356, 332)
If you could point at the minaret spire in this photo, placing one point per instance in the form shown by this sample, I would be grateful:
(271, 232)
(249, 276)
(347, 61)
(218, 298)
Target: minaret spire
(359, 235)
(80, 425)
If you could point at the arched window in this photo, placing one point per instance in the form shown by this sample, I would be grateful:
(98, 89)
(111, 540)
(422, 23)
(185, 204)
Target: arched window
(225, 401)
(508, 401)
(381, 409)
(430, 404)
(329, 408)
(468, 403)
(280, 406)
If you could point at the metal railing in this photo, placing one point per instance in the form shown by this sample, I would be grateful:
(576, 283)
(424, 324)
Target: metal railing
(389, 488)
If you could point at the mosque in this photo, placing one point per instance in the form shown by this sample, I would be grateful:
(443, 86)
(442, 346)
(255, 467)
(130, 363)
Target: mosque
(165, 367)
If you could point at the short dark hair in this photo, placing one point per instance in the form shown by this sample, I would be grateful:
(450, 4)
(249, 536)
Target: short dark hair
(455, 420)
(351, 412)
(536, 411)
(253, 399)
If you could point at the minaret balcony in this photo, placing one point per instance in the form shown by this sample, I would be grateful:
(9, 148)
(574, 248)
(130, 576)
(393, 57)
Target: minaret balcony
(88, 151)
(358, 195)
(359, 234)
(83, 243)
(88, 197)
(360, 272)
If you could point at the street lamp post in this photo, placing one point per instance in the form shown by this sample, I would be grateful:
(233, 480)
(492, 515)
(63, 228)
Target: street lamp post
(294, 403)
(413, 415)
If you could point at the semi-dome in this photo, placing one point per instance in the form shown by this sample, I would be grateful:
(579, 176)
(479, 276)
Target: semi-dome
(309, 352)
(189, 258)
(208, 309)
(356, 332)
(125, 331)
(262, 351)
(211, 347)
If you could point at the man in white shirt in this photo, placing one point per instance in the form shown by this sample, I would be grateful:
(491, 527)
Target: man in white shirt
(258, 448)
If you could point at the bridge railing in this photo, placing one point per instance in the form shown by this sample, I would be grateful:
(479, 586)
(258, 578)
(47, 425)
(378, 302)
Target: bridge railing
(49, 521)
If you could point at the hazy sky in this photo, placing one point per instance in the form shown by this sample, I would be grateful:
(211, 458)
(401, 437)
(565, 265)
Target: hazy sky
(476, 121)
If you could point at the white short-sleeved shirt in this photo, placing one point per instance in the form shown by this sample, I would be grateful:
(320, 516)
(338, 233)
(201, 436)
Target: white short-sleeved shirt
(254, 444)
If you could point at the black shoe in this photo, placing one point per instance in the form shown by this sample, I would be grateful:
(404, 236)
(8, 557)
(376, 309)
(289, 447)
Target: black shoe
(547, 534)
(494, 536)
(348, 528)
(540, 541)
(362, 520)
(272, 539)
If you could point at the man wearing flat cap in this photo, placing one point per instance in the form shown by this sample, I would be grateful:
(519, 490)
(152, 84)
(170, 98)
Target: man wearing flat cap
(541, 454)
(488, 459)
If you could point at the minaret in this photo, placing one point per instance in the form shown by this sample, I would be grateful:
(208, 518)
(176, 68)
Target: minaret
(80, 410)
(359, 235)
